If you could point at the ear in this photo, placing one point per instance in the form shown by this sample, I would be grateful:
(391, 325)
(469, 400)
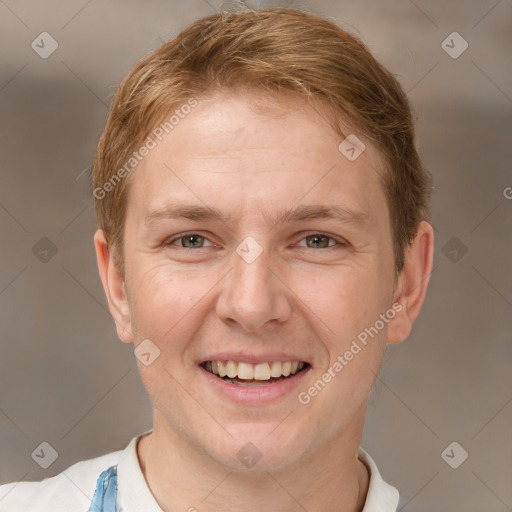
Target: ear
(412, 283)
(114, 286)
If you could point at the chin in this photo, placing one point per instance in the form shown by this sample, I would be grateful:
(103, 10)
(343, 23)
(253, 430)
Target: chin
(258, 448)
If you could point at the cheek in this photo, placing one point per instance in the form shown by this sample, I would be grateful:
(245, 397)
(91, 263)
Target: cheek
(168, 304)
(157, 301)
(343, 312)
(343, 299)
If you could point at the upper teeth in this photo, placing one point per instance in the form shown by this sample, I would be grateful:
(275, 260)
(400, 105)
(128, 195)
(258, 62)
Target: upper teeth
(260, 371)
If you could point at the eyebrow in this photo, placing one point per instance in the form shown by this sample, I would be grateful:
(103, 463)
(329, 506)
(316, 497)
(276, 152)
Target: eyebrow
(297, 213)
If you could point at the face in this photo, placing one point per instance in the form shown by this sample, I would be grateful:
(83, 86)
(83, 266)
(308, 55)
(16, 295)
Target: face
(251, 238)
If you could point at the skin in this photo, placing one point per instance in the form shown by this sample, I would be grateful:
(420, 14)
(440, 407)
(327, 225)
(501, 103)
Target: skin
(298, 296)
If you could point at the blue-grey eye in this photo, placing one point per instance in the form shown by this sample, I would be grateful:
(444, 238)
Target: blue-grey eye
(318, 241)
(192, 241)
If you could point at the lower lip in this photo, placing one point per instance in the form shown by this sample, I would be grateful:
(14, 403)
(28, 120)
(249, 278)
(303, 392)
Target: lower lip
(254, 395)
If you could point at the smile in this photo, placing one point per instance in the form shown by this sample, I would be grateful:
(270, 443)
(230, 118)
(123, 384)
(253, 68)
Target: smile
(247, 374)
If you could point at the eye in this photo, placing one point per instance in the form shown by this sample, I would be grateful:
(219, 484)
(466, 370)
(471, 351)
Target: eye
(320, 241)
(188, 241)
(197, 241)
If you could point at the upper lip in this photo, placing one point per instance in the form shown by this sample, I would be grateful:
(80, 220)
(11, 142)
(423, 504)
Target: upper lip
(244, 357)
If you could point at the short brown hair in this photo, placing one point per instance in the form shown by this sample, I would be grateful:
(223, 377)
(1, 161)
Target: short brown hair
(271, 51)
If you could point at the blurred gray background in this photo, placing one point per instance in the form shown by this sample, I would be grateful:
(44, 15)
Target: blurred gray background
(68, 381)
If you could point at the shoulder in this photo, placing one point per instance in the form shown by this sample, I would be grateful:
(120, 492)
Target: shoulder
(69, 491)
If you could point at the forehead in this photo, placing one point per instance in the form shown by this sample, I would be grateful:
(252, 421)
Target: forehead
(234, 153)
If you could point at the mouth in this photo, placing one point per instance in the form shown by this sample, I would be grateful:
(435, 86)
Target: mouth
(246, 374)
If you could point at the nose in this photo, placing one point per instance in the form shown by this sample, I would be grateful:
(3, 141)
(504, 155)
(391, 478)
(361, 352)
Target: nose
(254, 295)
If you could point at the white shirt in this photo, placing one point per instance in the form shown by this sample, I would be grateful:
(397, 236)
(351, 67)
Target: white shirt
(73, 489)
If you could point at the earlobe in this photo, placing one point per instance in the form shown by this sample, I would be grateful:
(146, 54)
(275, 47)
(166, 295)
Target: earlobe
(412, 283)
(114, 287)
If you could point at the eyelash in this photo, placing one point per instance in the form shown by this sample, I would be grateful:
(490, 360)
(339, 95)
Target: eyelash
(339, 242)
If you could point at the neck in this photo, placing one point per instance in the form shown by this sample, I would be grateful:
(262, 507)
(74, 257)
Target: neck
(182, 477)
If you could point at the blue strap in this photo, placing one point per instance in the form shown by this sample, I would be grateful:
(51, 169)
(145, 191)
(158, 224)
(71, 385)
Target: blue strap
(105, 496)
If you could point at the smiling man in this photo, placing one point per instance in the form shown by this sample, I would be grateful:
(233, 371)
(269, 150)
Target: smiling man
(263, 233)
